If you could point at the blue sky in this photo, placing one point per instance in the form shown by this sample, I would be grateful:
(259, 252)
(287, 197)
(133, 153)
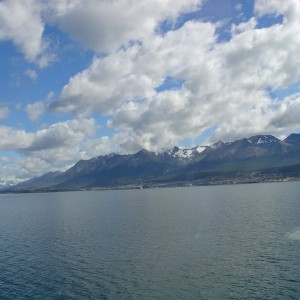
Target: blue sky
(86, 78)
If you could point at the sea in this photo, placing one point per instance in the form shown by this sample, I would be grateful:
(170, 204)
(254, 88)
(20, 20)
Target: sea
(213, 242)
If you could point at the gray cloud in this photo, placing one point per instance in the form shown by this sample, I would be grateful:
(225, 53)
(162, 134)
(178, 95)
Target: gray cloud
(59, 135)
(106, 25)
(14, 139)
(286, 116)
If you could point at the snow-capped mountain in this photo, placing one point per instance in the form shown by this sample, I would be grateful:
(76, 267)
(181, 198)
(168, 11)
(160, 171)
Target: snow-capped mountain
(257, 153)
(263, 139)
(186, 154)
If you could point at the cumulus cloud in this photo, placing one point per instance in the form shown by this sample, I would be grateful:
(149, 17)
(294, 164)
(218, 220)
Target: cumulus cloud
(63, 134)
(59, 135)
(103, 26)
(12, 139)
(20, 21)
(106, 25)
(289, 9)
(18, 169)
(56, 147)
(286, 117)
(225, 85)
(35, 110)
(134, 73)
(244, 26)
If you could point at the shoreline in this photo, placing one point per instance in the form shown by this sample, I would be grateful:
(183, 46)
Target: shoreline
(195, 183)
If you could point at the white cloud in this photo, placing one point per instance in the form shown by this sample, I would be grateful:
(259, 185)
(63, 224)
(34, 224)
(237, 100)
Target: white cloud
(286, 117)
(23, 23)
(106, 25)
(46, 59)
(4, 112)
(290, 9)
(64, 134)
(18, 169)
(103, 26)
(59, 135)
(225, 84)
(134, 73)
(35, 110)
(244, 26)
(56, 147)
(14, 139)
(20, 21)
(31, 74)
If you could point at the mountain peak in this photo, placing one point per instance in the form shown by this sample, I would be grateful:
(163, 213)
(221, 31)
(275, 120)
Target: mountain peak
(217, 145)
(262, 139)
(293, 139)
(175, 149)
(112, 154)
(143, 152)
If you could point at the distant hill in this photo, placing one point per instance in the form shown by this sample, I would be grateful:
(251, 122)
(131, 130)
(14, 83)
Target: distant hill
(258, 158)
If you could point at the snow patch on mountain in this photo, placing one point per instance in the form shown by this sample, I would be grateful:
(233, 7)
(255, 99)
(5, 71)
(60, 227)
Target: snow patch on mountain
(262, 139)
(183, 153)
(200, 149)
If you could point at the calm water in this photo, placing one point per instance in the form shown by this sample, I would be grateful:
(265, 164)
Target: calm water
(223, 242)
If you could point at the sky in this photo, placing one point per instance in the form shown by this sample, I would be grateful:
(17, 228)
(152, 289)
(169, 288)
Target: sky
(83, 78)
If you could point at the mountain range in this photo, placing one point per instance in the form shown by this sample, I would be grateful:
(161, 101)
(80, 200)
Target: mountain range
(255, 159)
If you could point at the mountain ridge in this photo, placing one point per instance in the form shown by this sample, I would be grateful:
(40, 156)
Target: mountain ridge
(258, 158)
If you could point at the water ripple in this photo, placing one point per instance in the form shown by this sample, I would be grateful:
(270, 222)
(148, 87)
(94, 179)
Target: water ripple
(206, 243)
